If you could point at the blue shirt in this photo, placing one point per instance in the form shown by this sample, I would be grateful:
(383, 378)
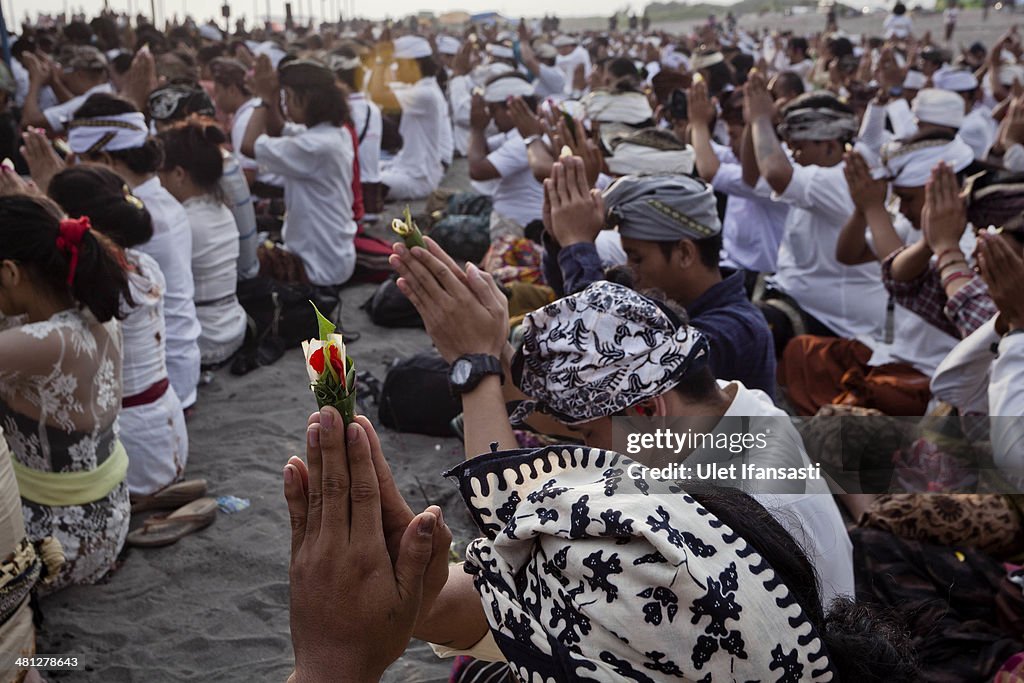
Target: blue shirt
(741, 344)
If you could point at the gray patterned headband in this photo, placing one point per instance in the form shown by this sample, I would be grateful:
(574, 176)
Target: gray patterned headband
(662, 207)
(589, 575)
(598, 352)
(818, 124)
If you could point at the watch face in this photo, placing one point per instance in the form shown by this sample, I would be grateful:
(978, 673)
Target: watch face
(460, 372)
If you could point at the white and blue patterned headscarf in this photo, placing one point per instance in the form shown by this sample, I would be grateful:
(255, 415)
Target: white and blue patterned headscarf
(600, 351)
(587, 574)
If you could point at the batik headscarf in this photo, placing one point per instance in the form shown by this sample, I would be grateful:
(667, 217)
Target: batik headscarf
(662, 207)
(910, 164)
(818, 124)
(587, 574)
(996, 199)
(598, 352)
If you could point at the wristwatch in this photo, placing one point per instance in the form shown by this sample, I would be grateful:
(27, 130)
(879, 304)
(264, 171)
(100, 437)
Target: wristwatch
(467, 371)
(529, 140)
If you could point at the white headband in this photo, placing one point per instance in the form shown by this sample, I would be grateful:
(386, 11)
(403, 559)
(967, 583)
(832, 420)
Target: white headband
(446, 45)
(911, 165)
(504, 88)
(412, 47)
(500, 51)
(108, 133)
(630, 159)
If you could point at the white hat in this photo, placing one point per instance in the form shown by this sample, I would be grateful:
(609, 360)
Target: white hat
(211, 33)
(272, 50)
(500, 51)
(939, 108)
(915, 80)
(501, 89)
(446, 45)
(565, 41)
(412, 47)
(957, 80)
(545, 51)
(485, 72)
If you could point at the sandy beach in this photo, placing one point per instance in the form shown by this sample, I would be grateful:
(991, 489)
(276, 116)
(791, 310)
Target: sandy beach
(215, 605)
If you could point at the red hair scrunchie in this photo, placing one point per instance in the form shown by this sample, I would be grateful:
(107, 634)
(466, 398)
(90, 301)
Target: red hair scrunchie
(69, 239)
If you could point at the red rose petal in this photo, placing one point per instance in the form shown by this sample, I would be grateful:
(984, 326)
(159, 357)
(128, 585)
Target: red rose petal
(316, 361)
(338, 364)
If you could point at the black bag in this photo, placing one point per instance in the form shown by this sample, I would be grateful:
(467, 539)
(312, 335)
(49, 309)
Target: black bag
(388, 307)
(464, 238)
(280, 318)
(416, 397)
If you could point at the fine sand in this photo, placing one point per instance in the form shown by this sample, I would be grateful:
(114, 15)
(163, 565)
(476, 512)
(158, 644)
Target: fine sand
(215, 605)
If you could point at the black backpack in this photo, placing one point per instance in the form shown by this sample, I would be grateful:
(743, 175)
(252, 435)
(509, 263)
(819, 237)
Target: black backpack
(416, 397)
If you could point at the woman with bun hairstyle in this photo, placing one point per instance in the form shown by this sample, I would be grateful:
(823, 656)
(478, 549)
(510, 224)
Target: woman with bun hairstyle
(63, 286)
(110, 131)
(152, 425)
(192, 169)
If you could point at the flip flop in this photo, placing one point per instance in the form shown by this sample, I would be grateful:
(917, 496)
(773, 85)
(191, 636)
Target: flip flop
(160, 530)
(171, 497)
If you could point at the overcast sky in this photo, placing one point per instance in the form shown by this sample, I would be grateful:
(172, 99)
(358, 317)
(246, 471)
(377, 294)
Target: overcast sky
(368, 8)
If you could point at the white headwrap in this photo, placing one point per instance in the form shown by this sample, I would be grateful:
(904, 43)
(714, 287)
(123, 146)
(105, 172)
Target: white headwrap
(939, 108)
(915, 80)
(485, 72)
(505, 87)
(564, 41)
(500, 51)
(631, 158)
(342, 63)
(108, 133)
(910, 165)
(271, 50)
(446, 45)
(624, 107)
(412, 47)
(211, 33)
(1008, 73)
(957, 80)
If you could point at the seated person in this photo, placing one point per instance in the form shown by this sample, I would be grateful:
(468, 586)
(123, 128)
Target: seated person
(426, 129)
(550, 601)
(811, 292)
(62, 285)
(83, 72)
(192, 170)
(672, 237)
(604, 352)
(368, 125)
(518, 196)
(152, 425)
(315, 156)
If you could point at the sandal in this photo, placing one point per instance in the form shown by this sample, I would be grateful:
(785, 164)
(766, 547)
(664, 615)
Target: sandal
(170, 497)
(161, 530)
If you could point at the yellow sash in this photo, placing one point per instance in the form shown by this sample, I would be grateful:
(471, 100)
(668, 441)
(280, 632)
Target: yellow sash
(60, 489)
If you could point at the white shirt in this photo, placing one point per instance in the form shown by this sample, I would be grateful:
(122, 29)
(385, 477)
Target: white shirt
(215, 273)
(753, 224)
(460, 98)
(239, 123)
(962, 378)
(316, 166)
(568, 63)
(58, 115)
(143, 329)
(811, 517)
(850, 300)
(171, 247)
(898, 26)
(518, 196)
(369, 129)
(550, 82)
(1006, 399)
(979, 131)
(425, 129)
(239, 201)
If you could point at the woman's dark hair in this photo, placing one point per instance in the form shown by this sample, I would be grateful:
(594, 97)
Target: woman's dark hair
(141, 160)
(103, 196)
(195, 145)
(863, 645)
(899, 9)
(719, 77)
(428, 67)
(799, 43)
(816, 100)
(741, 63)
(315, 86)
(29, 228)
(624, 73)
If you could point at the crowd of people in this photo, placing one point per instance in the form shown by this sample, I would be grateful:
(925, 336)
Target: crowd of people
(714, 226)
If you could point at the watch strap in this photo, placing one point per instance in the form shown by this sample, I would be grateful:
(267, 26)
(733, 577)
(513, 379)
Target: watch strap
(483, 364)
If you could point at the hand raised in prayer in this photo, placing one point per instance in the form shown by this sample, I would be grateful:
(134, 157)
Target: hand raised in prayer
(866, 192)
(479, 115)
(264, 81)
(12, 184)
(1002, 269)
(38, 68)
(463, 63)
(582, 146)
(43, 162)
(888, 72)
(141, 79)
(353, 607)
(1011, 130)
(525, 121)
(576, 211)
(757, 101)
(463, 312)
(944, 217)
(699, 106)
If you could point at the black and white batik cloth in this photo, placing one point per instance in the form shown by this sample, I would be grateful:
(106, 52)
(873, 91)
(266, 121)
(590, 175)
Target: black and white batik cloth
(589, 575)
(600, 351)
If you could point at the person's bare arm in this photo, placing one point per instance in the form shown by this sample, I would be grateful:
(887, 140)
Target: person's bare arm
(772, 162)
(912, 262)
(456, 619)
(851, 247)
(267, 118)
(31, 113)
(868, 196)
(701, 112)
(479, 167)
(748, 159)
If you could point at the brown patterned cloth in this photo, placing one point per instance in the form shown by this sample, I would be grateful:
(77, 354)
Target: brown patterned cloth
(278, 264)
(988, 522)
(962, 612)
